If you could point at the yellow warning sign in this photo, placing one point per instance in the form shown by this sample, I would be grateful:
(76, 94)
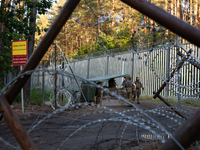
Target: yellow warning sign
(19, 47)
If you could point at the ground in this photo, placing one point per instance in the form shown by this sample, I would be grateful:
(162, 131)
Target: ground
(83, 127)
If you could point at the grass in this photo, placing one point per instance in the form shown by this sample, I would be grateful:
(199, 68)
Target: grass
(36, 96)
(173, 101)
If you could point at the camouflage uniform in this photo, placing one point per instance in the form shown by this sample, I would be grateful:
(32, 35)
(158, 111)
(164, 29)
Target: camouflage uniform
(138, 89)
(112, 86)
(129, 86)
(98, 94)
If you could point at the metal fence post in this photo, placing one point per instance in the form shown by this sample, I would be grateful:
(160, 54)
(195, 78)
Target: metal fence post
(107, 66)
(43, 82)
(88, 69)
(132, 66)
(167, 70)
(107, 62)
(63, 83)
(55, 90)
(179, 79)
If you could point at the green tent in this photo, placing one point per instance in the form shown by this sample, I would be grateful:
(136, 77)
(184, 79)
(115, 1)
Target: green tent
(89, 90)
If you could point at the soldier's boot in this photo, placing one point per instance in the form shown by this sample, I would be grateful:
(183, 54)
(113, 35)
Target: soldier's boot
(138, 101)
(130, 100)
(98, 100)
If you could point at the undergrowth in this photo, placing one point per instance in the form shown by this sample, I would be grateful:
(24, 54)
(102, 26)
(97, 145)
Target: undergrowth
(172, 101)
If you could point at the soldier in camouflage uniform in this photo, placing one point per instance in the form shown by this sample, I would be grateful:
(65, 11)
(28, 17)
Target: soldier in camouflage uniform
(129, 85)
(138, 89)
(98, 94)
(112, 85)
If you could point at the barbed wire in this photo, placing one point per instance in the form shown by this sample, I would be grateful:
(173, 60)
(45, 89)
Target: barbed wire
(134, 122)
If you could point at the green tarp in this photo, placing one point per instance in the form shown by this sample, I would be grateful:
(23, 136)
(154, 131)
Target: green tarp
(107, 77)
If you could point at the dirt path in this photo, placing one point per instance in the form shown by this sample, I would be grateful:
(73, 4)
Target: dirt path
(98, 128)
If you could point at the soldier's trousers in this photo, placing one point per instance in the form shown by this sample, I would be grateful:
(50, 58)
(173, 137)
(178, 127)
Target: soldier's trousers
(129, 94)
(137, 94)
(99, 96)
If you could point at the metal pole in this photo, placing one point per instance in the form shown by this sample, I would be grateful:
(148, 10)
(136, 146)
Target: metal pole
(22, 95)
(179, 72)
(88, 69)
(63, 76)
(176, 25)
(107, 63)
(168, 104)
(167, 70)
(42, 48)
(123, 69)
(107, 67)
(55, 89)
(132, 66)
(38, 77)
(73, 69)
(43, 82)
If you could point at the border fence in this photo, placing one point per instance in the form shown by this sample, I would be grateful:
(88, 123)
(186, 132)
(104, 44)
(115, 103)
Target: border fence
(151, 66)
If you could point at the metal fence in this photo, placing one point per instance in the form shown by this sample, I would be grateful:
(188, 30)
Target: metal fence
(160, 62)
(150, 66)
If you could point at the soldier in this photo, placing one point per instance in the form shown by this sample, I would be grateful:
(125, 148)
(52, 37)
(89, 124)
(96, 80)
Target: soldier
(112, 85)
(138, 89)
(125, 79)
(129, 85)
(98, 94)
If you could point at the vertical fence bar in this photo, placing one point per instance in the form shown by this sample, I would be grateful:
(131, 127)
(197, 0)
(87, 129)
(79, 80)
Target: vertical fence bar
(63, 67)
(142, 71)
(43, 82)
(55, 89)
(107, 67)
(88, 69)
(107, 63)
(22, 95)
(179, 72)
(132, 66)
(167, 70)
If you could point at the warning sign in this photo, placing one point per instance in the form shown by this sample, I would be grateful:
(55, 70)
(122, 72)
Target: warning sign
(19, 52)
(19, 48)
(19, 60)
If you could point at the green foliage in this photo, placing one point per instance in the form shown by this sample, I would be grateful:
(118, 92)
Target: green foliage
(16, 23)
(36, 96)
(190, 103)
(172, 101)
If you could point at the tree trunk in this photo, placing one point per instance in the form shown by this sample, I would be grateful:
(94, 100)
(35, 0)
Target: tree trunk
(1, 46)
(191, 10)
(30, 51)
(195, 13)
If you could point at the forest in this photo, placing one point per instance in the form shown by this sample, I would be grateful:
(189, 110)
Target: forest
(94, 26)
(100, 25)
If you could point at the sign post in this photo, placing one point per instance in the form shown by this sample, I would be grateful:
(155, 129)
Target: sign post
(19, 54)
